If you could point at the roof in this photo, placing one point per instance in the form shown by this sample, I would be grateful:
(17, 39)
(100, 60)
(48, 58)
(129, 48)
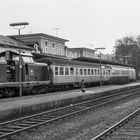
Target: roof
(83, 49)
(16, 53)
(64, 62)
(43, 55)
(93, 60)
(4, 40)
(40, 34)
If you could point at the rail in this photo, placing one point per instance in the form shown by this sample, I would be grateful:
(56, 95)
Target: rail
(13, 127)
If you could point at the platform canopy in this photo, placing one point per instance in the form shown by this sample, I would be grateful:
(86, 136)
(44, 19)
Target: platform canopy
(93, 60)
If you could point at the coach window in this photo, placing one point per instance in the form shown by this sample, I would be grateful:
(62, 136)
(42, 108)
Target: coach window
(88, 71)
(81, 71)
(61, 71)
(56, 70)
(66, 71)
(98, 72)
(92, 72)
(72, 71)
(76, 71)
(108, 72)
(95, 72)
(85, 72)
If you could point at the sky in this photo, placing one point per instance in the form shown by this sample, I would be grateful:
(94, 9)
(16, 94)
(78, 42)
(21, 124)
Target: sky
(85, 23)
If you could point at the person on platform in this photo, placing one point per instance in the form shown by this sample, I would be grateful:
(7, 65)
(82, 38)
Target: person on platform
(83, 86)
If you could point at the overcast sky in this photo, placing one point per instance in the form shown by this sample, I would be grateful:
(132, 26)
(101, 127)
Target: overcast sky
(85, 23)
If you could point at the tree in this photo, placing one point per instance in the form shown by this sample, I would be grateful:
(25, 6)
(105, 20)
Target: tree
(128, 48)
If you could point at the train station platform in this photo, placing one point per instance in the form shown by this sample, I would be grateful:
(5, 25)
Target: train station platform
(22, 106)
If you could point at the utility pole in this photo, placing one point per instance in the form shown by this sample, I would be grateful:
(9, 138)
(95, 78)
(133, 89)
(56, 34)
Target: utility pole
(18, 26)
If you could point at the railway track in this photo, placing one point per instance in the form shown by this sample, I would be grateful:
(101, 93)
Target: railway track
(9, 128)
(126, 129)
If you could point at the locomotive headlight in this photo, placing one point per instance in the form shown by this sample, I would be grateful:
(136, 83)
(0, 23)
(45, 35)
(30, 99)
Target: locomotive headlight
(31, 72)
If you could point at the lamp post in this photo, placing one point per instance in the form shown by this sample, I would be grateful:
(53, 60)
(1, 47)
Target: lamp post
(96, 49)
(18, 26)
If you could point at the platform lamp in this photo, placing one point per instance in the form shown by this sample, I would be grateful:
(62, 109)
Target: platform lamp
(18, 26)
(101, 79)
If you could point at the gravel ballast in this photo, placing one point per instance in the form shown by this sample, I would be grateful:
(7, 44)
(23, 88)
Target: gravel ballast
(84, 126)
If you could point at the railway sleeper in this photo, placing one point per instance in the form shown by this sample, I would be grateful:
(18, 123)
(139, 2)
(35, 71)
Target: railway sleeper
(15, 127)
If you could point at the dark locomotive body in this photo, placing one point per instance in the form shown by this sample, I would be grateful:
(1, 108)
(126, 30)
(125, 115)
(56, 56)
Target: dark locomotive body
(34, 76)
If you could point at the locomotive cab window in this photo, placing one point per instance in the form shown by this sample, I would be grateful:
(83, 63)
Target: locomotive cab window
(27, 59)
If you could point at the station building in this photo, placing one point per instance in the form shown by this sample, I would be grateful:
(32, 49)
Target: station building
(44, 43)
(52, 45)
(80, 52)
(55, 46)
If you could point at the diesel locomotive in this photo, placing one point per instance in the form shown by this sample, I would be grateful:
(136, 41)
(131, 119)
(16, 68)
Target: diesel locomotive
(33, 74)
(47, 74)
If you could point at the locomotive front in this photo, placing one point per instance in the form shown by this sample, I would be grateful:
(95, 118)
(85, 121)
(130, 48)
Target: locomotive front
(34, 76)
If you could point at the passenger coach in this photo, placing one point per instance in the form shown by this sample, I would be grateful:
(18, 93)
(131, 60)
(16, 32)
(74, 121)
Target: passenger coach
(67, 72)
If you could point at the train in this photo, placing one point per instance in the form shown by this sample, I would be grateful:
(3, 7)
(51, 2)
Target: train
(53, 74)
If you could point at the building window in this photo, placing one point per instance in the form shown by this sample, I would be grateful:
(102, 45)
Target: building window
(59, 49)
(46, 46)
(36, 47)
(53, 48)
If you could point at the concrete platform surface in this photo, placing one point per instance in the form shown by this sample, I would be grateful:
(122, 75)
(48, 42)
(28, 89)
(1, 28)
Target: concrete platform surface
(22, 106)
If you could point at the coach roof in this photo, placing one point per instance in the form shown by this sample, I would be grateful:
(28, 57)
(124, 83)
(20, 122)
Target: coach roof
(64, 62)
